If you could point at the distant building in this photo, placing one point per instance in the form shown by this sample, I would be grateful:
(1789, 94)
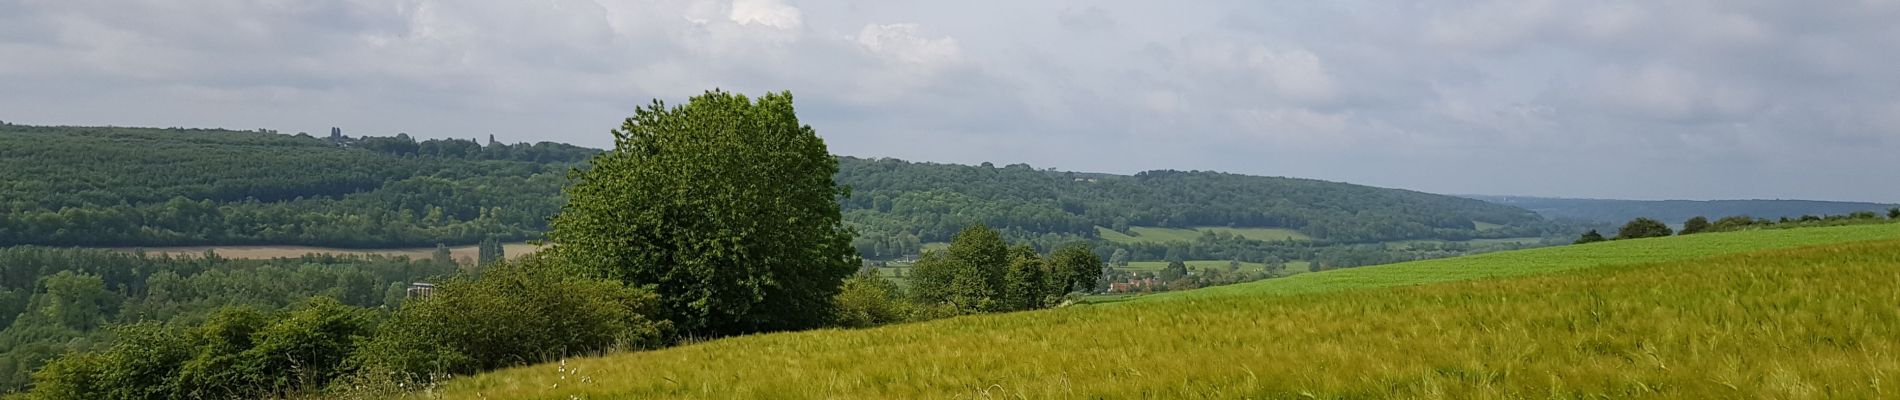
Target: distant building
(420, 290)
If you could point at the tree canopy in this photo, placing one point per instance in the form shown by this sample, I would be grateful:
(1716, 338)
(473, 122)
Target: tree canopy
(724, 205)
(1643, 228)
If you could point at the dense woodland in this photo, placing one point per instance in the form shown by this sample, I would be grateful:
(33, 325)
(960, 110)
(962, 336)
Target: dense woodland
(54, 301)
(123, 187)
(934, 201)
(81, 186)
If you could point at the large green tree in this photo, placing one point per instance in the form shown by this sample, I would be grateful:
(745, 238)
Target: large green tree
(725, 205)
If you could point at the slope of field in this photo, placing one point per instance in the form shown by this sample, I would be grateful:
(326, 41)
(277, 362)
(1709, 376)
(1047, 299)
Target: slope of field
(1773, 314)
(1676, 211)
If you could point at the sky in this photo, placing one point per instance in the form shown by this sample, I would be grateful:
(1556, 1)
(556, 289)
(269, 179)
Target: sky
(1691, 99)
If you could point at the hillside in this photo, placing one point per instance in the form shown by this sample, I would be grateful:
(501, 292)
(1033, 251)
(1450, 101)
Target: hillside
(932, 201)
(106, 186)
(1676, 211)
(1788, 313)
(124, 187)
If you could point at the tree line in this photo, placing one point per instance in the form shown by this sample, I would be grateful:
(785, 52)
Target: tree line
(59, 301)
(1647, 228)
(934, 201)
(85, 186)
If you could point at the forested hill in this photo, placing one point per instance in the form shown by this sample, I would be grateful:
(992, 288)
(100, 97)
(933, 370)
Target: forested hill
(1676, 211)
(109, 186)
(935, 200)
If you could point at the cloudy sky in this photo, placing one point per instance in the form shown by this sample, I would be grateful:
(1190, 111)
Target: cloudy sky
(1688, 99)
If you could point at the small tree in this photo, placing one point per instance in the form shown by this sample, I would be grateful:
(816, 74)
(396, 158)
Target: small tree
(1695, 225)
(1025, 282)
(1893, 213)
(442, 255)
(1175, 270)
(489, 252)
(868, 300)
(1643, 228)
(1589, 237)
(1074, 268)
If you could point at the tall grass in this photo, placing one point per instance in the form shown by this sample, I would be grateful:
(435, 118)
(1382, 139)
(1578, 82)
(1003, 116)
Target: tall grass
(1651, 318)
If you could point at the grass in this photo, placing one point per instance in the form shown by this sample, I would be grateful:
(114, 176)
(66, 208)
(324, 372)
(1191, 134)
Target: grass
(512, 250)
(1148, 234)
(1551, 259)
(1526, 240)
(1748, 314)
(1291, 266)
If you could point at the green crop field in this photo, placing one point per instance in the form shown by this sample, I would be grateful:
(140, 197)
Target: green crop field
(1797, 313)
(1291, 266)
(1148, 234)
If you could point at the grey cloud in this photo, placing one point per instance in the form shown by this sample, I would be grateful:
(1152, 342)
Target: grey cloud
(1694, 99)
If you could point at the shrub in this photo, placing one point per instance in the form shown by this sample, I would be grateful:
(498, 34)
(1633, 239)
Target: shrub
(1589, 237)
(517, 312)
(868, 300)
(1643, 228)
(1695, 225)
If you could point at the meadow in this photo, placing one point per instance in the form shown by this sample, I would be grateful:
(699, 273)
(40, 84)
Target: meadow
(1149, 234)
(1798, 313)
(1292, 267)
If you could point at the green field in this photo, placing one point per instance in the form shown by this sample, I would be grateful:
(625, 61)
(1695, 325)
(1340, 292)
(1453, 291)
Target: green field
(1798, 313)
(1148, 234)
(1291, 266)
(1526, 241)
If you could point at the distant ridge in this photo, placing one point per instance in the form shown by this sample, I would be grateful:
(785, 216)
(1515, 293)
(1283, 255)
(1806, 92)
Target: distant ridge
(1675, 211)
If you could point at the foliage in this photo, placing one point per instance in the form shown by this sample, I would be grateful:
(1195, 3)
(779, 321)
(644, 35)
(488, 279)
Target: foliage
(934, 201)
(1603, 328)
(237, 355)
(489, 251)
(1695, 225)
(867, 299)
(981, 273)
(726, 206)
(1175, 270)
(70, 295)
(515, 313)
(1643, 228)
(1590, 237)
(106, 186)
(1073, 268)
(1025, 285)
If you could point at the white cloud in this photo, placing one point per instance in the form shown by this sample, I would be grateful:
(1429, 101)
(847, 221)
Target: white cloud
(902, 43)
(773, 13)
